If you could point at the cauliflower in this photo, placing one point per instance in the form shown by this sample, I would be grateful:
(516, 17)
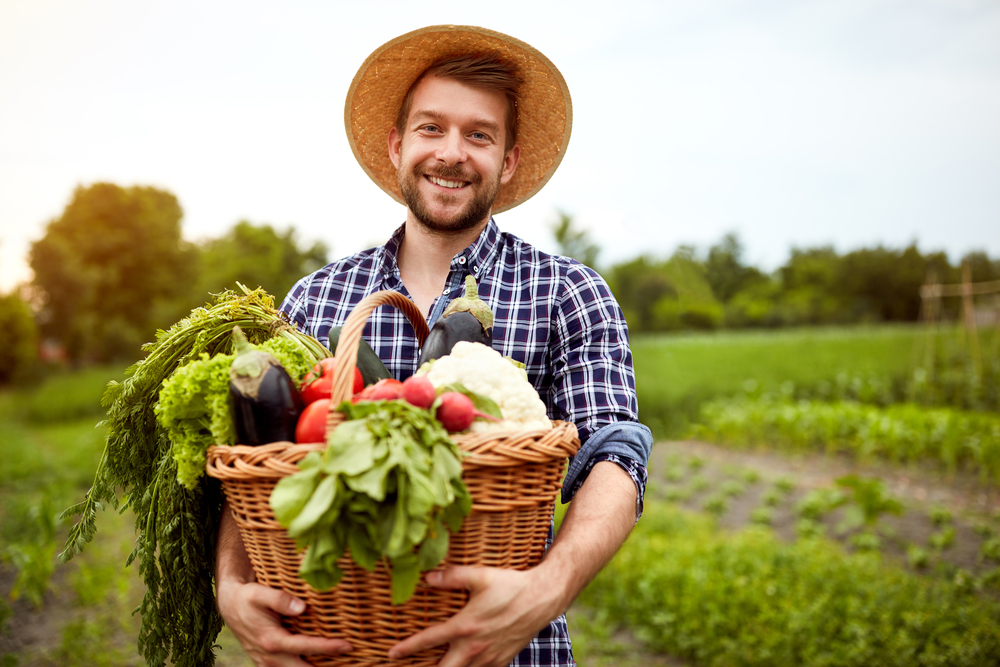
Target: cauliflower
(482, 370)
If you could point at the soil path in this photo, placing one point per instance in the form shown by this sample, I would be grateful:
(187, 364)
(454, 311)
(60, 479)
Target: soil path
(694, 473)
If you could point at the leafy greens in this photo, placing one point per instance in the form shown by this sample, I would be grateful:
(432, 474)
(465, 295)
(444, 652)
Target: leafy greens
(389, 484)
(194, 407)
(175, 526)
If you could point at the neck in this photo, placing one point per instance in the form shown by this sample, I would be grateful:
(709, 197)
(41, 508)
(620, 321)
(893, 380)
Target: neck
(425, 259)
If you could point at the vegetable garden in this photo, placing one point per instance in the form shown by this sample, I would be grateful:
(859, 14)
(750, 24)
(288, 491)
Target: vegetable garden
(816, 497)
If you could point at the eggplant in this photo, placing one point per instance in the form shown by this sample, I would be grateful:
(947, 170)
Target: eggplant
(467, 318)
(262, 397)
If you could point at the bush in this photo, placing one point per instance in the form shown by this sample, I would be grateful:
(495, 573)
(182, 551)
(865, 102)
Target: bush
(683, 587)
(901, 432)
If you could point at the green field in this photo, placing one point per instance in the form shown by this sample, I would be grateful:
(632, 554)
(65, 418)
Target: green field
(675, 374)
(79, 613)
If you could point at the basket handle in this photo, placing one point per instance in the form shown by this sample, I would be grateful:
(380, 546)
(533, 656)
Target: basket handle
(350, 337)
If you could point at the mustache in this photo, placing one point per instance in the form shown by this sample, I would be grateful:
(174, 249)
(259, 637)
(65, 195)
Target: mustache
(455, 173)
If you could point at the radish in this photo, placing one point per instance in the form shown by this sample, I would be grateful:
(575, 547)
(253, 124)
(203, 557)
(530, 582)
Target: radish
(456, 412)
(418, 391)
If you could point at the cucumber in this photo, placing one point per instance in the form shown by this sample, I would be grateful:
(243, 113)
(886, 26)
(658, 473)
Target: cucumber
(371, 367)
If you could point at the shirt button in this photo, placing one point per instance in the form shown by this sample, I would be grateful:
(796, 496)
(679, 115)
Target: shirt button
(475, 269)
(461, 260)
(446, 291)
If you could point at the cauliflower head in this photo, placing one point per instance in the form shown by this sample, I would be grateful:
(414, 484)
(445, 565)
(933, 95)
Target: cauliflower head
(482, 370)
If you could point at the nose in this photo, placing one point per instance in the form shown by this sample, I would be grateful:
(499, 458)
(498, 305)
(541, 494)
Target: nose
(451, 149)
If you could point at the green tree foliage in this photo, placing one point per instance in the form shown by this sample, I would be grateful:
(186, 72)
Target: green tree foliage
(105, 264)
(19, 334)
(665, 295)
(725, 270)
(574, 242)
(815, 286)
(810, 293)
(256, 256)
(884, 284)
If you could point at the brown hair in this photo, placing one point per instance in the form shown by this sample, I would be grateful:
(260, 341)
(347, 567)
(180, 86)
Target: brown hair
(480, 70)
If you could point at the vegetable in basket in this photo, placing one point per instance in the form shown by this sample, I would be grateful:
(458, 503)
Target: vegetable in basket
(483, 372)
(388, 486)
(467, 318)
(319, 382)
(265, 403)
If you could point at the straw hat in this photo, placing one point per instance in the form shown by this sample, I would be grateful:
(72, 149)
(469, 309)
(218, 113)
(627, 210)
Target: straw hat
(545, 113)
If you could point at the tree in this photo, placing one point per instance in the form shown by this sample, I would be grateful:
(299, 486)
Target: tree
(725, 270)
(256, 256)
(20, 338)
(105, 264)
(658, 295)
(884, 284)
(573, 242)
(810, 294)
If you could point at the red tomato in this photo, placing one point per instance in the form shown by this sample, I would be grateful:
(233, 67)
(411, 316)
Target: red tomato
(311, 426)
(318, 383)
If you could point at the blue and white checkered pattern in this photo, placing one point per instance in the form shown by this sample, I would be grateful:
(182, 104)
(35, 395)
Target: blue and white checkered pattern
(551, 313)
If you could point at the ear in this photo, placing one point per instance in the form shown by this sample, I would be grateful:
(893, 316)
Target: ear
(395, 146)
(510, 164)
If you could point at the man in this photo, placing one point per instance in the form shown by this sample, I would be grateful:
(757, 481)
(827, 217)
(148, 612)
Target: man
(473, 122)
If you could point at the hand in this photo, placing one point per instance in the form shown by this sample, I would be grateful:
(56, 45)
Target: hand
(506, 609)
(253, 613)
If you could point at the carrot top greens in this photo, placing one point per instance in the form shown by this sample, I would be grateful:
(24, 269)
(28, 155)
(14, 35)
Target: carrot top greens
(175, 526)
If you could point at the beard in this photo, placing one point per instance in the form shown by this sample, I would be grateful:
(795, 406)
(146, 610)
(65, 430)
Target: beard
(474, 213)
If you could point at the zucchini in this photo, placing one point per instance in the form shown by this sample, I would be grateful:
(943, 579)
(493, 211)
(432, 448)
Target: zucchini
(371, 367)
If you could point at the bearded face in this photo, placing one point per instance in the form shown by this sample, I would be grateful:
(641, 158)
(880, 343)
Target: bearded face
(450, 158)
(458, 217)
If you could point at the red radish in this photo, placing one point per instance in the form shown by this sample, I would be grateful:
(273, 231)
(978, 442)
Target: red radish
(311, 426)
(418, 391)
(384, 390)
(456, 412)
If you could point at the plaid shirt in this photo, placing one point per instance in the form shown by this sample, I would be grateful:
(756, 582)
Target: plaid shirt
(551, 313)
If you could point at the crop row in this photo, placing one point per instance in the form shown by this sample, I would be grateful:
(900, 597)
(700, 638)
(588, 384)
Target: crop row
(901, 433)
(686, 588)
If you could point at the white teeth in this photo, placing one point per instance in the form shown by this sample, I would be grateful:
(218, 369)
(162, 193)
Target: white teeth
(445, 184)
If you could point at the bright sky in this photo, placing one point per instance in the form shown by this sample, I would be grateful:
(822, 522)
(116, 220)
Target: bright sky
(848, 122)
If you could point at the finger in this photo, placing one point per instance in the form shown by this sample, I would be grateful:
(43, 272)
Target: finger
(425, 639)
(281, 641)
(461, 577)
(276, 600)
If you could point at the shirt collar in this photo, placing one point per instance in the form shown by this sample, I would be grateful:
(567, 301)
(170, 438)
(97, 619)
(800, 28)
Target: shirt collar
(476, 258)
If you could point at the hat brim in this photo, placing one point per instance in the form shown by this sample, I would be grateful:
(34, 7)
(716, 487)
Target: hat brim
(545, 112)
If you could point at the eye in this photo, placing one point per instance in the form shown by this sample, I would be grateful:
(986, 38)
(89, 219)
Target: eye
(430, 127)
(479, 136)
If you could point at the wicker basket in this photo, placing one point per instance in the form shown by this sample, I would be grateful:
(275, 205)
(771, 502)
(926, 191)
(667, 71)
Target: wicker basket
(513, 478)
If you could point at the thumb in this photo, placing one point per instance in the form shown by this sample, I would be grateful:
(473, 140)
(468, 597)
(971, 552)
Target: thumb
(461, 577)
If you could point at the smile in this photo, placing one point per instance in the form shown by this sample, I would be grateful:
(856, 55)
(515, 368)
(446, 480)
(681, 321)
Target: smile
(446, 184)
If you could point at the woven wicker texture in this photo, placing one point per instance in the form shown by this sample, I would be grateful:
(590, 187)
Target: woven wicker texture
(512, 476)
(545, 112)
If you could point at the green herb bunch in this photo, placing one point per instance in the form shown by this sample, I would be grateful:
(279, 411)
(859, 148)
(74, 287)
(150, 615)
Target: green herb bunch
(389, 485)
(175, 526)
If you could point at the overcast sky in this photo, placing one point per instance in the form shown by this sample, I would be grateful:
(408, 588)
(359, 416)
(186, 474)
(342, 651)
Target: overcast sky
(793, 123)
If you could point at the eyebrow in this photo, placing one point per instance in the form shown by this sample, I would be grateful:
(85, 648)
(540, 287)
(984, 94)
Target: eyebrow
(430, 114)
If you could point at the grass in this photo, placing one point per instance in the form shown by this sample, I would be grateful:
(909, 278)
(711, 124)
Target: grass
(65, 396)
(675, 374)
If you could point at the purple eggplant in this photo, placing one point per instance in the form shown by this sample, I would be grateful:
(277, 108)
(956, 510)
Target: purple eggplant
(263, 399)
